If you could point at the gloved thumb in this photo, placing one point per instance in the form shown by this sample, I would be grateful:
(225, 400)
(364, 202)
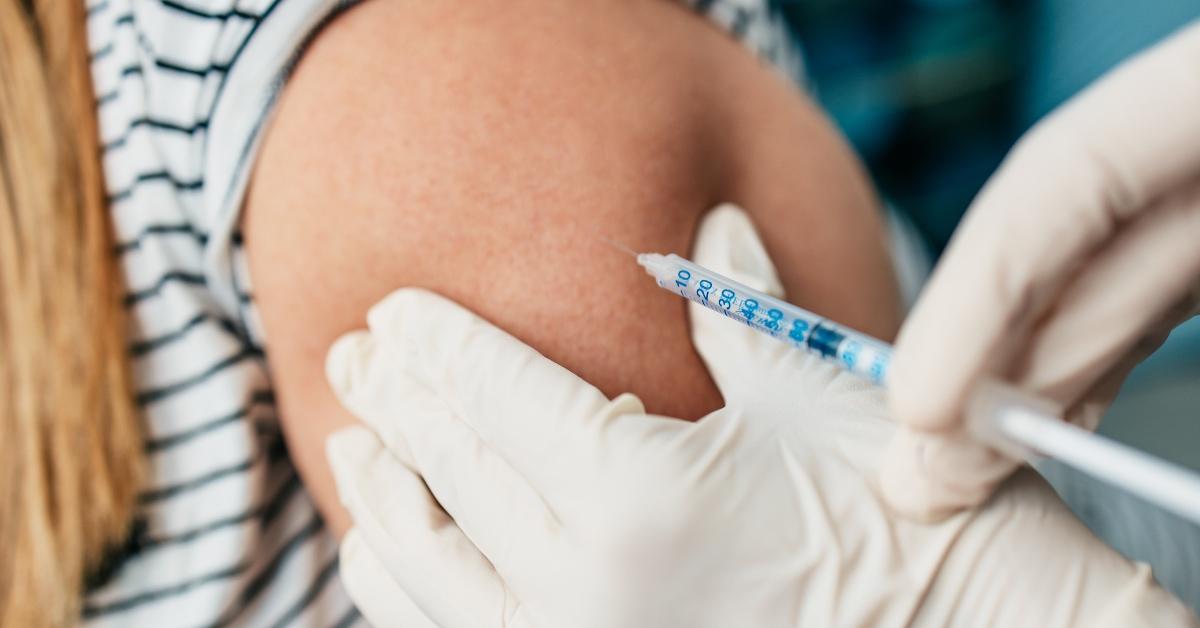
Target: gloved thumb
(728, 244)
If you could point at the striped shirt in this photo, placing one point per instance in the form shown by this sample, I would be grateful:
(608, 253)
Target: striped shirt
(225, 534)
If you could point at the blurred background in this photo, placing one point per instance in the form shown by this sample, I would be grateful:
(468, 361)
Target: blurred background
(933, 93)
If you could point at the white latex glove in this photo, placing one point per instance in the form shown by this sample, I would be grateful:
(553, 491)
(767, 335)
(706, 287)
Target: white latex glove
(497, 489)
(1073, 264)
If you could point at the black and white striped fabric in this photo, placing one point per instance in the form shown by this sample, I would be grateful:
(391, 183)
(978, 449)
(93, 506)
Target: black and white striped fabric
(226, 534)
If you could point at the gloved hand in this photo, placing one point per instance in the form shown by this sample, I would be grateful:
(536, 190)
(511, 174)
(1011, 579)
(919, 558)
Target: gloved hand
(496, 489)
(1073, 264)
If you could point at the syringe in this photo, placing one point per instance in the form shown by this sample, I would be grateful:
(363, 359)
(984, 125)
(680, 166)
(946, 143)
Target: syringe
(998, 416)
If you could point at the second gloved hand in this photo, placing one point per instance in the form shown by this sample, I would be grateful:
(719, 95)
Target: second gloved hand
(496, 489)
(1073, 264)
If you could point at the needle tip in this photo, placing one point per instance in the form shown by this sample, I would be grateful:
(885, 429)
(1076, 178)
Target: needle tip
(618, 246)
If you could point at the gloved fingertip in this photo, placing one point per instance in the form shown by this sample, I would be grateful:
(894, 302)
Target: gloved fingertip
(351, 443)
(728, 243)
(409, 311)
(344, 364)
(395, 306)
(351, 548)
(361, 574)
(346, 450)
(915, 400)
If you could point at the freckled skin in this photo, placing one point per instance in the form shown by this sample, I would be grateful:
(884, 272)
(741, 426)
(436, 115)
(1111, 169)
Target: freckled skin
(482, 150)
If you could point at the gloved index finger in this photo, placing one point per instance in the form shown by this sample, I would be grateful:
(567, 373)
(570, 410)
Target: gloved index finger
(525, 406)
(727, 243)
(1066, 189)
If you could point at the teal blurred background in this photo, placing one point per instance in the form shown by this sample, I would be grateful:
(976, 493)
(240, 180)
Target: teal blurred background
(933, 93)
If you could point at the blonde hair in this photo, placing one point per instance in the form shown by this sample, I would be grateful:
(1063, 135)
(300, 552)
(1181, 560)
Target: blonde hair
(70, 443)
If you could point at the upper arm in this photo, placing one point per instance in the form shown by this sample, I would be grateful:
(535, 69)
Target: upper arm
(480, 149)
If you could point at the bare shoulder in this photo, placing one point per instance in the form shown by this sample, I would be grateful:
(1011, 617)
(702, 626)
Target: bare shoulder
(477, 149)
(414, 134)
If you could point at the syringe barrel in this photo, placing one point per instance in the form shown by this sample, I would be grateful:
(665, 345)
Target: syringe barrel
(853, 351)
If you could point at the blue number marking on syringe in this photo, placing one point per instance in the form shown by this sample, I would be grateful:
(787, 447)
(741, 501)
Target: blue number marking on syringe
(878, 368)
(773, 318)
(799, 331)
(683, 276)
(850, 353)
(748, 308)
(727, 297)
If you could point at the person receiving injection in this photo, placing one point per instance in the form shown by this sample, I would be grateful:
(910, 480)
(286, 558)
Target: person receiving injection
(495, 488)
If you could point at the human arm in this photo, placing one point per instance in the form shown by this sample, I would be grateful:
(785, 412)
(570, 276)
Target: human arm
(1074, 263)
